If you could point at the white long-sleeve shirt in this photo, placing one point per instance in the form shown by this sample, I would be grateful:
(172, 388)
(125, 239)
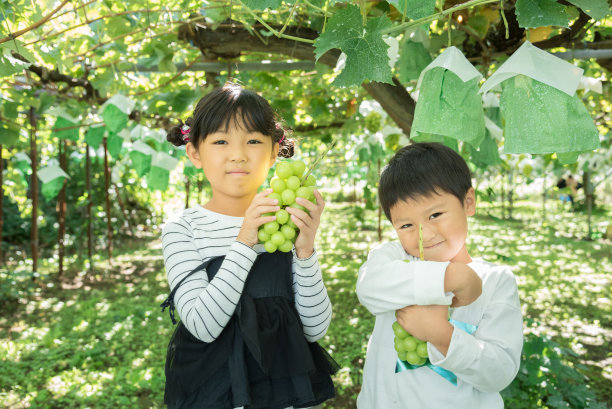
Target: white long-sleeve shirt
(485, 362)
(196, 235)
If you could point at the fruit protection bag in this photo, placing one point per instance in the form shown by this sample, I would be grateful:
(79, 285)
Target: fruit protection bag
(449, 107)
(540, 110)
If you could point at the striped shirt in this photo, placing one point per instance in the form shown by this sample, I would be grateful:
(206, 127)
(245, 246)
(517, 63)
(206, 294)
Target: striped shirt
(194, 236)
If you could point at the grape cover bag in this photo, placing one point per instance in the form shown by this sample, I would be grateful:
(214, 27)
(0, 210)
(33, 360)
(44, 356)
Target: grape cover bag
(449, 107)
(540, 110)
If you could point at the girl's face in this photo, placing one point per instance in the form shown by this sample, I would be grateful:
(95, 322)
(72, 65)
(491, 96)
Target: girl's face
(236, 162)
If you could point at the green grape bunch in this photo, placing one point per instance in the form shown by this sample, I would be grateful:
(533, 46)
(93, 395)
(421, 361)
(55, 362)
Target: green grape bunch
(287, 185)
(409, 348)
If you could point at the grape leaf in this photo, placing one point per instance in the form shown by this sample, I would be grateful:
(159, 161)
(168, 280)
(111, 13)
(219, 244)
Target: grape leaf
(415, 9)
(541, 13)
(9, 134)
(262, 4)
(365, 49)
(598, 9)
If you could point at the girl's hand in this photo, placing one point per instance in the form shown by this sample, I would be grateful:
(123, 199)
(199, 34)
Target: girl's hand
(307, 223)
(253, 217)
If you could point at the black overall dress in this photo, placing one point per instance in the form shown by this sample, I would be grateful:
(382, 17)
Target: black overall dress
(261, 358)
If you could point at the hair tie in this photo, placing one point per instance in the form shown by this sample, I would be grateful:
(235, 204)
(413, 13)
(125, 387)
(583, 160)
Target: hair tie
(281, 139)
(185, 132)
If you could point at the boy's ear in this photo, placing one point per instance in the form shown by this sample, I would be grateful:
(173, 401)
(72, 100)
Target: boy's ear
(469, 203)
(193, 154)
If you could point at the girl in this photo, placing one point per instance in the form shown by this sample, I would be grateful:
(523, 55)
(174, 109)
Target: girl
(249, 319)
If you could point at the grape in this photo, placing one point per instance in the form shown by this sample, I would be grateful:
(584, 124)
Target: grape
(263, 236)
(286, 246)
(277, 184)
(293, 183)
(270, 247)
(278, 238)
(304, 192)
(284, 170)
(286, 186)
(287, 231)
(412, 358)
(310, 181)
(271, 227)
(408, 343)
(276, 196)
(409, 348)
(288, 197)
(282, 216)
(298, 168)
(422, 350)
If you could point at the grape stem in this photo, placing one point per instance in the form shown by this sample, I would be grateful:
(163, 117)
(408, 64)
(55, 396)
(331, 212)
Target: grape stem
(319, 159)
(421, 252)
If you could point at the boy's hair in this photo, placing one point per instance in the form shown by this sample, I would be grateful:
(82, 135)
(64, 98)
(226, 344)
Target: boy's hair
(423, 169)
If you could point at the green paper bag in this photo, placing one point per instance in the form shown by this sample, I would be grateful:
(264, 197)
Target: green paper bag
(539, 118)
(114, 143)
(72, 134)
(449, 107)
(414, 57)
(161, 165)
(140, 155)
(158, 178)
(449, 104)
(116, 111)
(487, 154)
(52, 178)
(430, 137)
(114, 118)
(23, 163)
(95, 135)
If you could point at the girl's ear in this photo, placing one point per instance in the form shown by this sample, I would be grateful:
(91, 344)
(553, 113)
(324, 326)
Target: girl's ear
(274, 155)
(193, 154)
(469, 203)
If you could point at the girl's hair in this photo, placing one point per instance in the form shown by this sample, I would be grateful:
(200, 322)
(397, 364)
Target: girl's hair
(423, 169)
(231, 103)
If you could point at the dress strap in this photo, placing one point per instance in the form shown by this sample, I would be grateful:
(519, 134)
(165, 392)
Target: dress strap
(169, 302)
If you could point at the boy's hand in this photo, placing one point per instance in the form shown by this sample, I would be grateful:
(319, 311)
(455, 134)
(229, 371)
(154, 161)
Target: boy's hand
(464, 283)
(427, 323)
(307, 223)
(253, 217)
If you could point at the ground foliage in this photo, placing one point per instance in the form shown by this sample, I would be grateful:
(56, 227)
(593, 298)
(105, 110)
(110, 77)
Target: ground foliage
(98, 340)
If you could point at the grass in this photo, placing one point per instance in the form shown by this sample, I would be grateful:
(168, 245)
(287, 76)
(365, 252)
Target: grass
(98, 340)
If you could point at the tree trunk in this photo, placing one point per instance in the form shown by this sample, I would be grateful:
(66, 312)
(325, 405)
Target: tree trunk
(200, 186)
(544, 193)
(588, 200)
(510, 193)
(503, 197)
(61, 211)
(379, 212)
(109, 228)
(123, 210)
(89, 206)
(34, 192)
(187, 183)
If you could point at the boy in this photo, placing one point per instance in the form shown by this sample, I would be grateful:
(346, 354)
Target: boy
(429, 184)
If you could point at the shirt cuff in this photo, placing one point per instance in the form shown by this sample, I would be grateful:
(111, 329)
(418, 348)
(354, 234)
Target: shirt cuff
(462, 351)
(245, 250)
(429, 283)
(305, 262)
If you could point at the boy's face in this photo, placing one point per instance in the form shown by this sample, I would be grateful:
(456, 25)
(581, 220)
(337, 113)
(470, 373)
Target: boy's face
(444, 221)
